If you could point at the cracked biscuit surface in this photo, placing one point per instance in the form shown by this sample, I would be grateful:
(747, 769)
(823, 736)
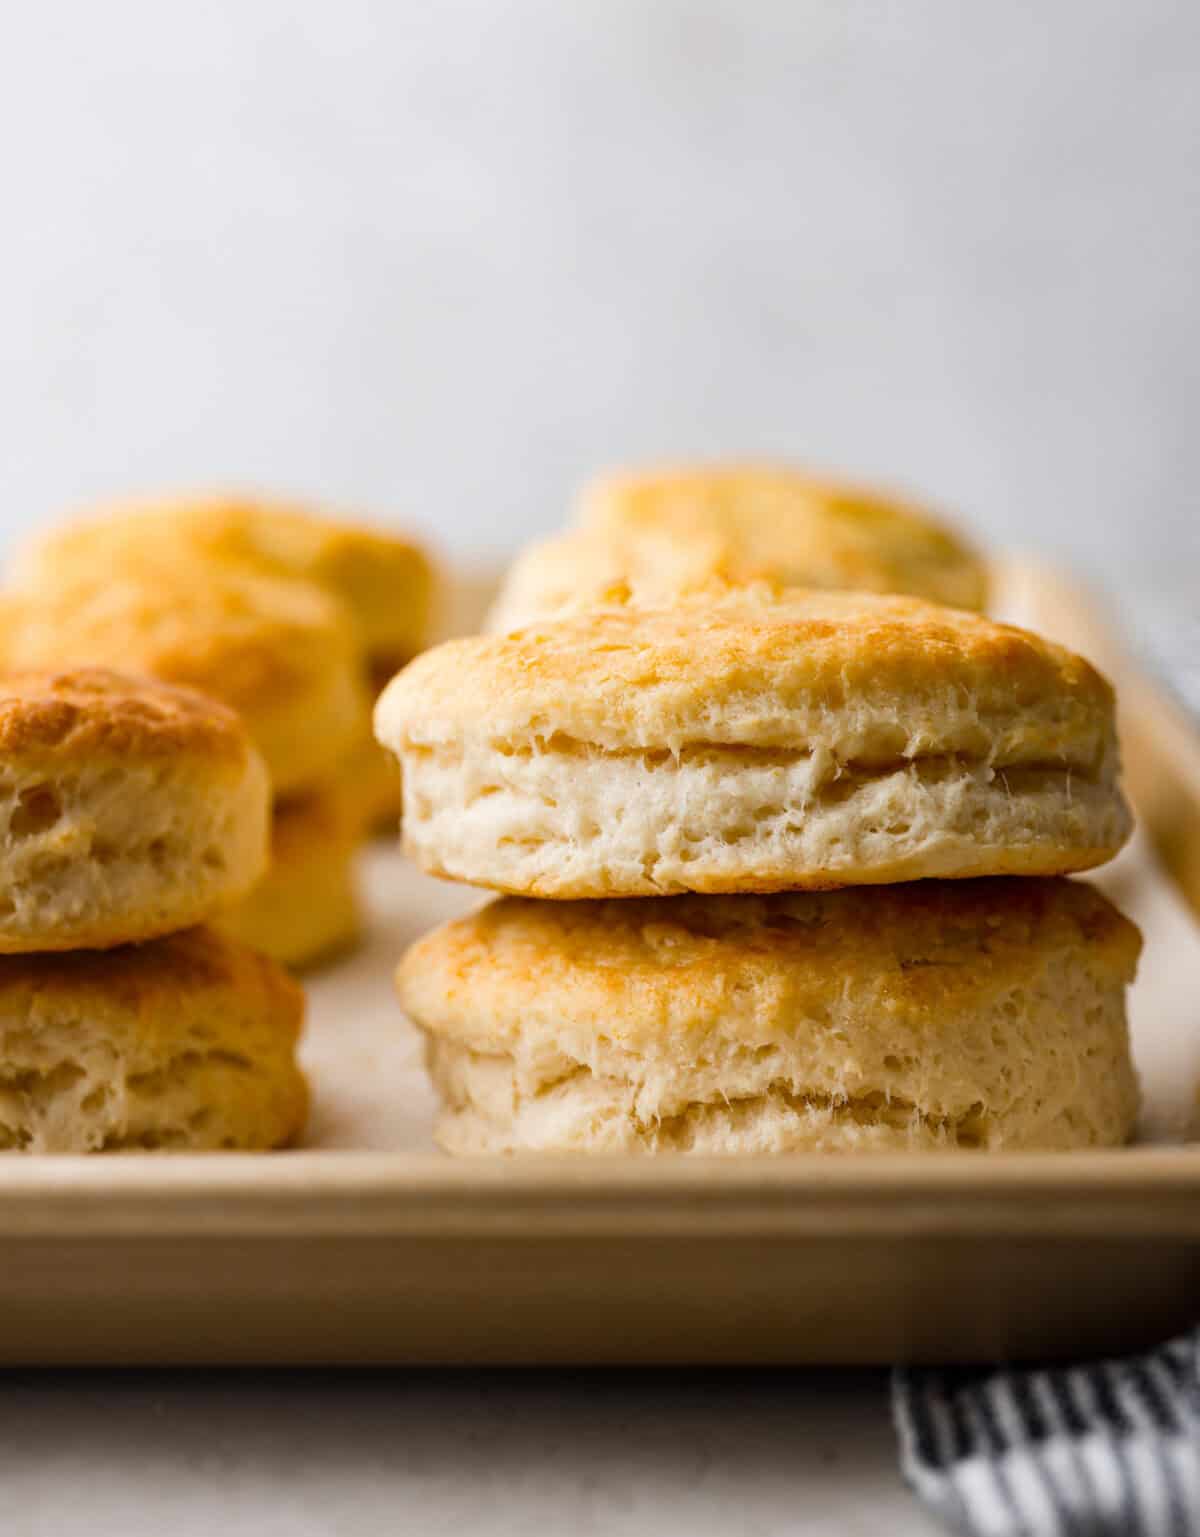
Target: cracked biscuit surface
(760, 740)
(980, 1014)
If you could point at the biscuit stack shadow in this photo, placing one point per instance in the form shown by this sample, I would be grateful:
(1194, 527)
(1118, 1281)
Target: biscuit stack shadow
(291, 619)
(133, 812)
(673, 798)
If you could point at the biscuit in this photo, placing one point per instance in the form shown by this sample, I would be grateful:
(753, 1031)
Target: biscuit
(129, 809)
(187, 1043)
(588, 568)
(281, 653)
(653, 538)
(384, 580)
(305, 909)
(979, 1014)
(368, 786)
(766, 741)
(795, 529)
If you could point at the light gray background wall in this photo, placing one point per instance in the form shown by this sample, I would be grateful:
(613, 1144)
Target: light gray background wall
(444, 259)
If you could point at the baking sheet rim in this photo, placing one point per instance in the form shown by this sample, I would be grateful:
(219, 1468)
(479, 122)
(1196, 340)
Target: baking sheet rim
(1135, 1192)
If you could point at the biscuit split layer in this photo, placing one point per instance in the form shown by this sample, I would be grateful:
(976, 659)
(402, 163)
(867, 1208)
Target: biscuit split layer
(128, 809)
(765, 741)
(187, 1043)
(984, 1014)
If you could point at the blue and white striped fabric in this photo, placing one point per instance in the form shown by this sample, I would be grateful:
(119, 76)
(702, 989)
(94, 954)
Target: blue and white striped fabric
(1078, 1451)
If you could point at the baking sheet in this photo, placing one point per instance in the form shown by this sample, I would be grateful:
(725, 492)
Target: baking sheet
(366, 1246)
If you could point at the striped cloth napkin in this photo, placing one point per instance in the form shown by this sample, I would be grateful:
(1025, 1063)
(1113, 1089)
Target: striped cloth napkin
(1074, 1451)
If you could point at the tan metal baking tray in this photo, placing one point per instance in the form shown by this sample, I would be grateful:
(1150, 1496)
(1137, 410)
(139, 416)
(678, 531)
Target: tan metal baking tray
(367, 1247)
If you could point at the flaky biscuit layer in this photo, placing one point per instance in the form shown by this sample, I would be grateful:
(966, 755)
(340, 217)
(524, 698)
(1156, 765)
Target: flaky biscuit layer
(764, 741)
(979, 1014)
(187, 1043)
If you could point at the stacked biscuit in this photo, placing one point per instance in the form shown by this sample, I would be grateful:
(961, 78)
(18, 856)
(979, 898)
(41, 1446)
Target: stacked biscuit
(752, 837)
(132, 812)
(292, 620)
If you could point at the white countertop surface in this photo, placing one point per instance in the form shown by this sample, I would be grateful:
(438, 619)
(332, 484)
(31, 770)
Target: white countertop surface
(306, 1454)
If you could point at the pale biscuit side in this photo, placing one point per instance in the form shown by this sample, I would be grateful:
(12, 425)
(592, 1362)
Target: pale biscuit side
(576, 825)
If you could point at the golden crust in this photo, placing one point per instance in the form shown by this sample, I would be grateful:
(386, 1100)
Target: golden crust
(325, 817)
(246, 640)
(384, 579)
(369, 789)
(795, 529)
(281, 653)
(640, 970)
(87, 710)
(187, 1042)
(598, 568)
(873, 679)
(973, 1015)
(128, 809)
(145, 987)
(305, 910)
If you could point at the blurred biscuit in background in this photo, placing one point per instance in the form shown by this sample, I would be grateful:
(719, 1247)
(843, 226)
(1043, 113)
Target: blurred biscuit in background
(369, 789)
(385, 580)
(187, 1043)
(797, 529)
(305, 910)
(656, 535)
(280, 652)
(589, 568)
(978, 1014)
(129, 808)
(758, 741)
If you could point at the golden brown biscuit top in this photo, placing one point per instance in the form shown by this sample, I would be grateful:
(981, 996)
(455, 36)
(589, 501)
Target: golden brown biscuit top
(250, 640)
(149, 981)
(76, 713)
(383, 578)
(649, 966)
(873, 679)
(797, 529)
